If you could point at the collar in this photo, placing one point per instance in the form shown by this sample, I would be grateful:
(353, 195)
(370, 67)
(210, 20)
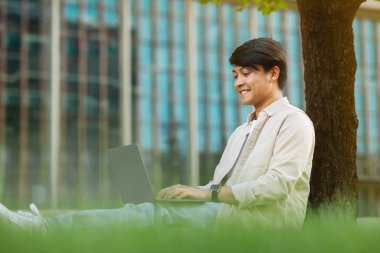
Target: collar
(271, 109)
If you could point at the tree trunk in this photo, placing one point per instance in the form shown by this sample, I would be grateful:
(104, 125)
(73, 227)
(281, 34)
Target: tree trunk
(330, 66)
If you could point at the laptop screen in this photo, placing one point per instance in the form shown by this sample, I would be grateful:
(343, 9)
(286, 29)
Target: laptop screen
(129, 174)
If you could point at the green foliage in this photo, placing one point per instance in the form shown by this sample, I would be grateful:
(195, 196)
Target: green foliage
(266, 7)
(327, 232)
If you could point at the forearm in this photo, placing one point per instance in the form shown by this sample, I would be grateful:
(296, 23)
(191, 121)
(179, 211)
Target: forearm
(226, 196)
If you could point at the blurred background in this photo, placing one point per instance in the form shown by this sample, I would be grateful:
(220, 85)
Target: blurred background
(80, 76)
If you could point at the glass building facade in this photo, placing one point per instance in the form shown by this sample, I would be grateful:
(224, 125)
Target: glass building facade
(154, 72)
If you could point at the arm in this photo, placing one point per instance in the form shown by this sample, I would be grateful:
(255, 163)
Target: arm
(230, 152)
(203, 192)
(188, 192)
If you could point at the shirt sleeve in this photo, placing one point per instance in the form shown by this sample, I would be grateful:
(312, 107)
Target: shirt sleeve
(217, 169)
(290, 162)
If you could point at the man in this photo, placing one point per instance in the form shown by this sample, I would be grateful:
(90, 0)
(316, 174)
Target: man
(263, 175)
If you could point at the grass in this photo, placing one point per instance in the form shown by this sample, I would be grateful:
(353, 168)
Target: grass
(326, 233)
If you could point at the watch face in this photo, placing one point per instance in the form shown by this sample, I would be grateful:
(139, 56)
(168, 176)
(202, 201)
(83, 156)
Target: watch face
(215, 188)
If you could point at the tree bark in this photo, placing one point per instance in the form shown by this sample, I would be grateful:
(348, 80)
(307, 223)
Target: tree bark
(330, 66)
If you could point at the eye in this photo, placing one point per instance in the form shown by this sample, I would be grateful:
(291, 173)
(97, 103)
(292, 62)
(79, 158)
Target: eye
(246, 74)
(235, 77)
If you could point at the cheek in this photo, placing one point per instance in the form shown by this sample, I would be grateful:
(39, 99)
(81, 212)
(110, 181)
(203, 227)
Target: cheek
(235, 87)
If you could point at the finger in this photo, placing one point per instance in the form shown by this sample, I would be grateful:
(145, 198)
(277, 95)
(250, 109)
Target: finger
(162, 193)
(182, 195)
(171, 193)
(176, 192)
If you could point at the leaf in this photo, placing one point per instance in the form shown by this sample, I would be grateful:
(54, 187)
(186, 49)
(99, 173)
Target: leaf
(266, 7)
(282, 5)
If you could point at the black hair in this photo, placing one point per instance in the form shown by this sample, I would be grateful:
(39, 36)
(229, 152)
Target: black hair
(264, 52)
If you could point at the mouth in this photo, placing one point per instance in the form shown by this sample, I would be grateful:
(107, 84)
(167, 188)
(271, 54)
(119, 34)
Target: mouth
(244, 92)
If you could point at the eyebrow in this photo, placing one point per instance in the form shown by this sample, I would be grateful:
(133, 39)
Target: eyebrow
(239, 68)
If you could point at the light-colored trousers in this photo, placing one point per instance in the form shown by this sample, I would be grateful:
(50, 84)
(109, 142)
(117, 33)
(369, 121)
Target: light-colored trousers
(202, 215)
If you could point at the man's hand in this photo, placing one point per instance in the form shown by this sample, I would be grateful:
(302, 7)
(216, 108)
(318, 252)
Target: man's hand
(184, 192)
(189, 192)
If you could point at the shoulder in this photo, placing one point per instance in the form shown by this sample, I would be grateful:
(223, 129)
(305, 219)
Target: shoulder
(298, 125)
(292, 114)
(241, 127)
(291, 120)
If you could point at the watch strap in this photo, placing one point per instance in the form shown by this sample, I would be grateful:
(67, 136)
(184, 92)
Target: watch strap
(215, 189)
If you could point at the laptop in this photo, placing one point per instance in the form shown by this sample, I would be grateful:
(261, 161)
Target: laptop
(129, 175)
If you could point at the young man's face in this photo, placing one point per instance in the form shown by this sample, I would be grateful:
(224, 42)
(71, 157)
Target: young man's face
(254, 86)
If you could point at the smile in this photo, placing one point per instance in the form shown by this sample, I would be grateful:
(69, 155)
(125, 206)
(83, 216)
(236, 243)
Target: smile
(243, 92)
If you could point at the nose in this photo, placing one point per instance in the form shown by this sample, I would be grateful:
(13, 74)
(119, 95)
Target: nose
(239, 81)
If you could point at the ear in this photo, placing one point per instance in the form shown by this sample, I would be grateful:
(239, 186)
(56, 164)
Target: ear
(274, 73)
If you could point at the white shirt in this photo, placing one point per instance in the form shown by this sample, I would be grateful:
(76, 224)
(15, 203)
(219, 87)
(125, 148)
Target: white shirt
(270, 178)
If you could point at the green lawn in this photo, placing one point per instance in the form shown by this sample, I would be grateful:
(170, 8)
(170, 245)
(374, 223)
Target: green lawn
(331, 233)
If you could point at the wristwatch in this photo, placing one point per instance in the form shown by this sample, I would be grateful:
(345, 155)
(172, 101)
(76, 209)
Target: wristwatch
(215, 189)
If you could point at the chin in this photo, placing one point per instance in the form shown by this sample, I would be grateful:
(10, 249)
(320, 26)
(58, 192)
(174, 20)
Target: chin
(246, 102)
